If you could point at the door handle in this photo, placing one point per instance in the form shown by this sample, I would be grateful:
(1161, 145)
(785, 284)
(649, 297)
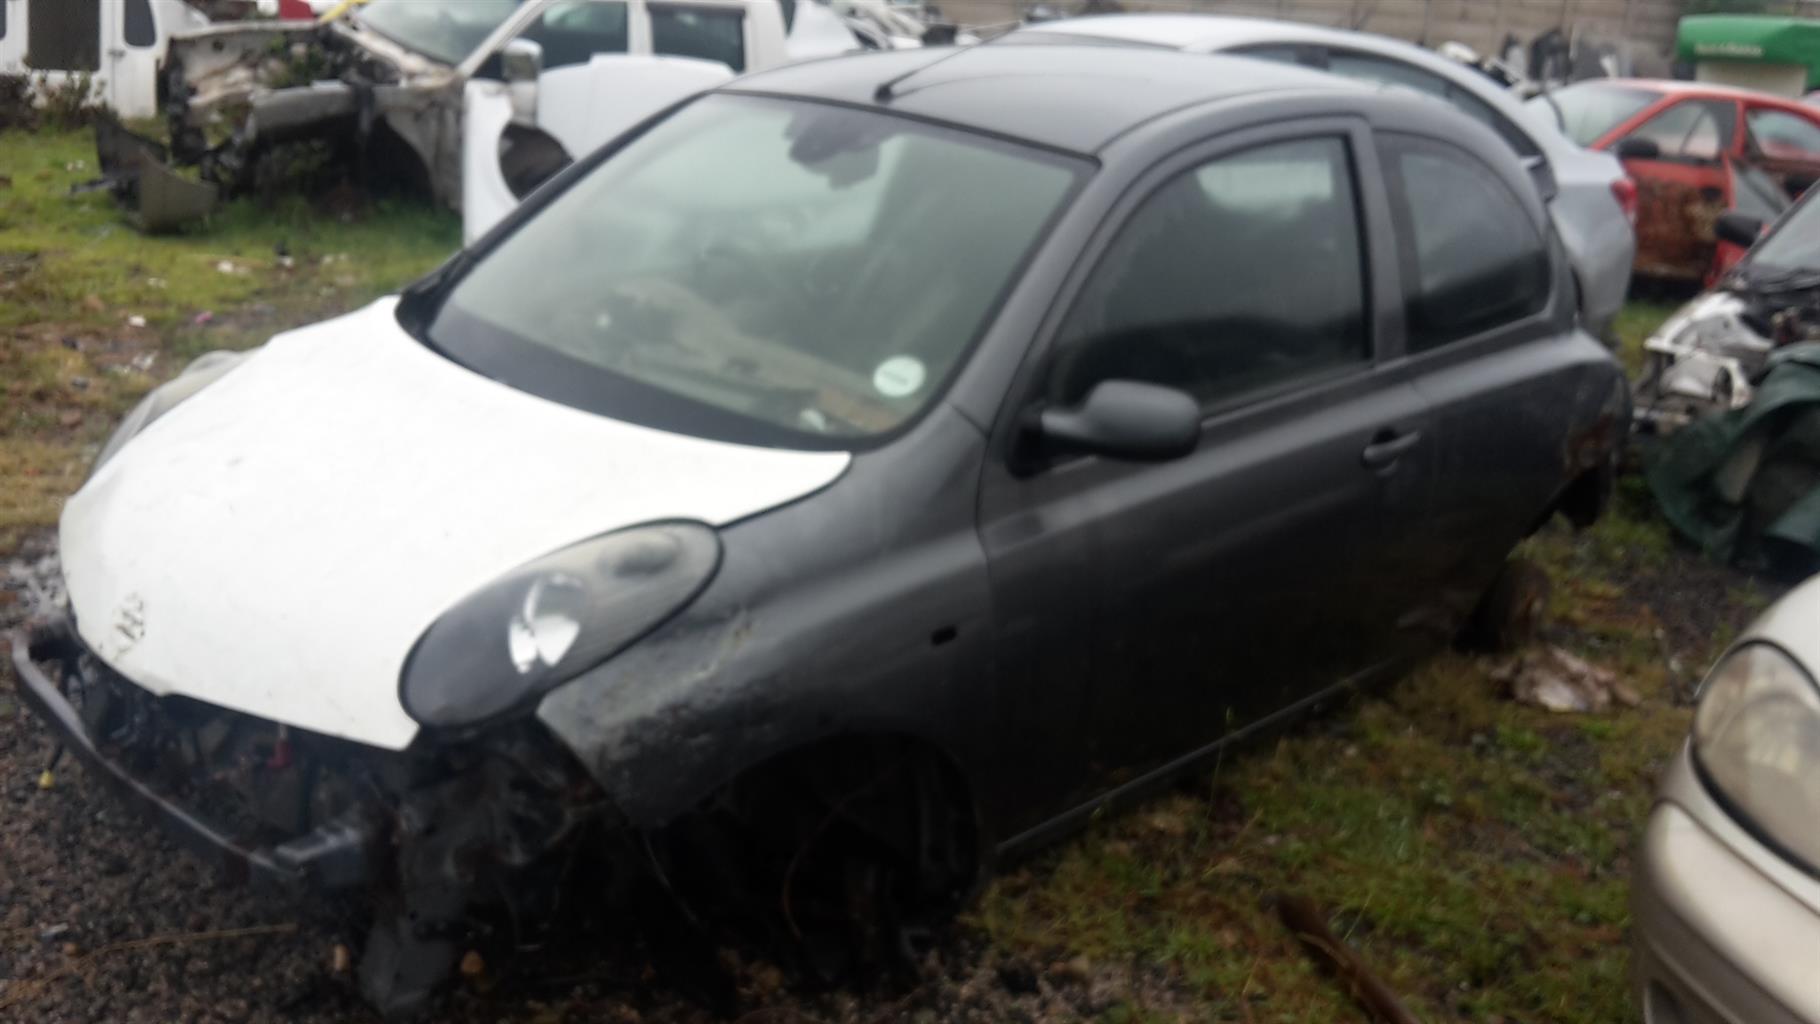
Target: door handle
(1387, 446)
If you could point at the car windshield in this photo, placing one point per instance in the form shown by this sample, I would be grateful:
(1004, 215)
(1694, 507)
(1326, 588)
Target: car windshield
(447, 31)
(1794, 245)
(761, 270)
(1589, 110)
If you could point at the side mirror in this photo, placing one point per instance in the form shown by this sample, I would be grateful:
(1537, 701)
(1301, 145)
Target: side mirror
(1738, 228)
(1634, 148)
(521, 65)
(1126, 419)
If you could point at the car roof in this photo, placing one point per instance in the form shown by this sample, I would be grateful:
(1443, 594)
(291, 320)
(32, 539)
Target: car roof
(1075, 98)
(1680, 89)
(1203, 31)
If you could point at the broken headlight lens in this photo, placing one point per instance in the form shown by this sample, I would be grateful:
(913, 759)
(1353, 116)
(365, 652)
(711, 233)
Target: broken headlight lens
(552, 620)
(1757, 740)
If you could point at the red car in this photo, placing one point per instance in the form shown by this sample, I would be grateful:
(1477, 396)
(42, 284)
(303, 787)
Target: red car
(1695, 150)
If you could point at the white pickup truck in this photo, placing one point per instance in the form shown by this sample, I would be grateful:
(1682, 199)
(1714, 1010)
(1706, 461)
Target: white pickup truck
(479, 100)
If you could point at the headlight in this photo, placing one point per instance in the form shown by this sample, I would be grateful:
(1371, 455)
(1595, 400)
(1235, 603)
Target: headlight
(1757, 738)
(553, 619)
(204, 370)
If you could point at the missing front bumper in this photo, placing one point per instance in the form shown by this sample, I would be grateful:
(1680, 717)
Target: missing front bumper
(332, 856)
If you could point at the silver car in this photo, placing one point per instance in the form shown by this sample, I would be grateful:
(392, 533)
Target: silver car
(1726, 899)
(1591, 200)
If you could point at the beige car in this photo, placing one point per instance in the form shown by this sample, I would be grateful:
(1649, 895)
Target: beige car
(1727, 891)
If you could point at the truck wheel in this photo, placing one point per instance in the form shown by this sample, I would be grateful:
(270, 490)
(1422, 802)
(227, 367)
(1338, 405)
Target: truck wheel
(1510, 613)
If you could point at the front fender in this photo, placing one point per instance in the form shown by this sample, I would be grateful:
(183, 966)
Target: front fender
(842, 614)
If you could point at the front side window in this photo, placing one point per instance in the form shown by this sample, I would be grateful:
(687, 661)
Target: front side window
(1244, 273)
(705, 33)
(1696, 130)
(1396, 73)
(572, 33)
(760, 270)
(1779, 133)
(1589, 111)
(1473, 260)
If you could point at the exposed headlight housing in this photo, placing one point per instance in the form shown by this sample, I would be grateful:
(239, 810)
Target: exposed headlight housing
(1757, 741)
(552, 620)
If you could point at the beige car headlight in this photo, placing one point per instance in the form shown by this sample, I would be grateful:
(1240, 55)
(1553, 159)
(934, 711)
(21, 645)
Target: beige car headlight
(1757, 740)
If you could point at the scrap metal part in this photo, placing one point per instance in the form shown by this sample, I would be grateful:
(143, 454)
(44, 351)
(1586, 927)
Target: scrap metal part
(1701, 361)
(234, 93)
(133, 167)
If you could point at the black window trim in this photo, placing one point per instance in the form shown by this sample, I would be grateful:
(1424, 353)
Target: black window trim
(1383, 297)
(1530, 328)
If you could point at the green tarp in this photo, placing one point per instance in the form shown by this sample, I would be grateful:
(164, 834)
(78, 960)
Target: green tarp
(1754, 38)
(1745, 485)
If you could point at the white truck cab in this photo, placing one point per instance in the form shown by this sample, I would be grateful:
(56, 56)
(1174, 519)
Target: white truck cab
(561, 77)
(117, 43)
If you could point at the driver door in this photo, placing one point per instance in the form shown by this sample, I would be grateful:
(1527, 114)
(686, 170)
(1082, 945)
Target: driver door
(1202, 595)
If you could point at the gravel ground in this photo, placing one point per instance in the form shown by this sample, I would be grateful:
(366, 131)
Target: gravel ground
(104, 919)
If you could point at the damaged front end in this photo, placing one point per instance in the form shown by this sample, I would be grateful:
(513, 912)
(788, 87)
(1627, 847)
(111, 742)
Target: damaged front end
(1708, 356)
(462, 844)
(236, 96)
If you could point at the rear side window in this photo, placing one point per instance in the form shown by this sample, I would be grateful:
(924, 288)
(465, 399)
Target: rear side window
(1367, 68)
(1696, 130)
(1472, 258)
(1239, 275)
(1779, 133)
(137, 28)
(706, 33)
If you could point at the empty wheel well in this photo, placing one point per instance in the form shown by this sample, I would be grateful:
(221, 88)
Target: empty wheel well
(832, 850)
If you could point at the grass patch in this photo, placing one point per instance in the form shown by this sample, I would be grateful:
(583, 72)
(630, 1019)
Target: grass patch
(93, 313)
(1636, 321)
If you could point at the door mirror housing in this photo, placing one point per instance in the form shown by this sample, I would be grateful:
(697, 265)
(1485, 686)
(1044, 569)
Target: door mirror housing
(1634, 148)
(1738, 228)
(1126, 419)
(521, 64)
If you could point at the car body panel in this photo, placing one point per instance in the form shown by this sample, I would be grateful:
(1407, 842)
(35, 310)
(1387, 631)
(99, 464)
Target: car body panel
(349, 472)
(1677, 204)
(1583, 208)
(1725, 929)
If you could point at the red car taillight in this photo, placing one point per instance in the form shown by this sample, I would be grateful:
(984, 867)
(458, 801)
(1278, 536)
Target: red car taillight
(1625, 191)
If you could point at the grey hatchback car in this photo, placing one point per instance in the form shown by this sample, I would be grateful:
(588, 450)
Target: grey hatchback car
(851, 476)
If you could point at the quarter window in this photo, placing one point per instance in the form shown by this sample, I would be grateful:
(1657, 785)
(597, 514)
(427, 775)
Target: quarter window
(1779, 133)
(706, 33)
(1244, 273)
(1691, 130)
(1472, 257)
